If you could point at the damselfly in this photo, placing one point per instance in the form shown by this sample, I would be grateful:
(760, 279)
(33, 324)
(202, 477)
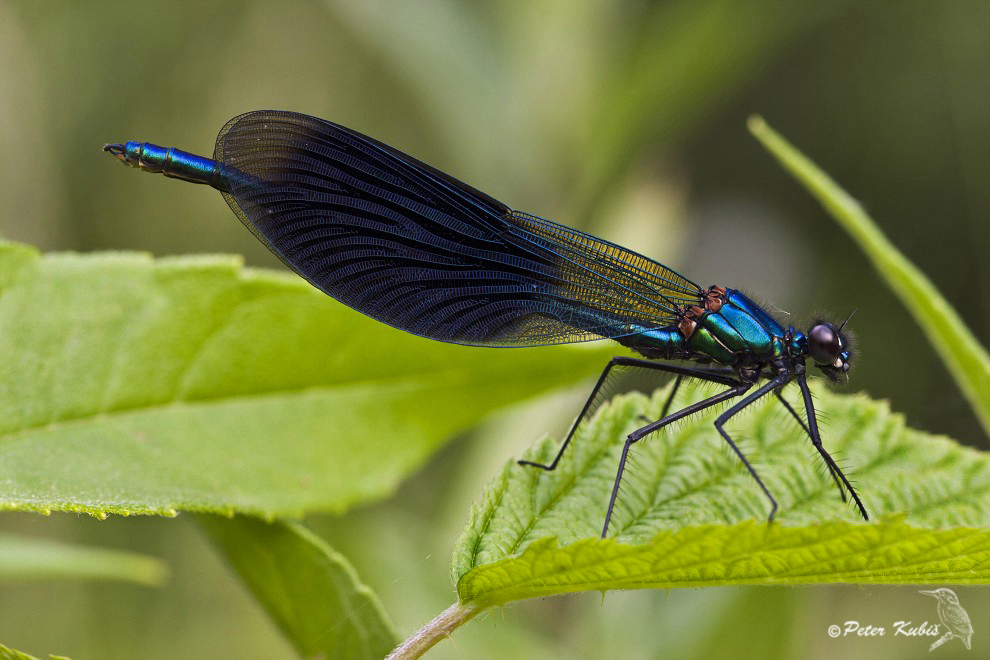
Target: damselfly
(421, 251)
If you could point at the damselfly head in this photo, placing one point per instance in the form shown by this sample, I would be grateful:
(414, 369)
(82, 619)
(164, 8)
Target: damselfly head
(829, 349)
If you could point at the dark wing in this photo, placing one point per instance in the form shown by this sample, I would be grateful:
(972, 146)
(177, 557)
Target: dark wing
(414, 248)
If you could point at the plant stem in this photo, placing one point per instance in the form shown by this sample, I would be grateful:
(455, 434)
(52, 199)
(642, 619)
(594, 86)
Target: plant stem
(446, 622)
(965, 357)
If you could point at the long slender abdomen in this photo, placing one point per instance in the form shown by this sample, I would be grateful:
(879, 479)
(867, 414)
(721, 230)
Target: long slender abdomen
(171, 162)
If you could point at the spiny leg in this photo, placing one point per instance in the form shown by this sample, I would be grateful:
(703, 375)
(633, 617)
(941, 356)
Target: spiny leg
(621, 361)
(666, 404)
(790, 409)
(816, 440)
(639, 434)
(697, 372)
(773, 384)
(670, 397)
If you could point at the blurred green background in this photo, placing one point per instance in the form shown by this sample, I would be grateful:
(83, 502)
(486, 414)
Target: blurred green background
(626, 119)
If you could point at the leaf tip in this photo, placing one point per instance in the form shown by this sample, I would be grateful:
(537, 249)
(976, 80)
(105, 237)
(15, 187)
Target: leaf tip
(756, 124)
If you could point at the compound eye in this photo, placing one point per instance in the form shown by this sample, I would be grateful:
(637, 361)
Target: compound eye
(823, 343)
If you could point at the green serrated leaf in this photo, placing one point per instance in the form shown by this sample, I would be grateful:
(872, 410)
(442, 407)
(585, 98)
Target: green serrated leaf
(309, 590)
(966, 359)
(35, 559)
(690, 515)
(744, 553)
(135, 385)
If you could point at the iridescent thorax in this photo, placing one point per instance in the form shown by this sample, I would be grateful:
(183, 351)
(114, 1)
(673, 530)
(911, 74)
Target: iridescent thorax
(728, 329)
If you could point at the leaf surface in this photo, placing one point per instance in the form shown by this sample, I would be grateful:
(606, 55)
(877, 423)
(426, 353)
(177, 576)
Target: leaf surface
(309, 590)
(135, 385)
(689, 514)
